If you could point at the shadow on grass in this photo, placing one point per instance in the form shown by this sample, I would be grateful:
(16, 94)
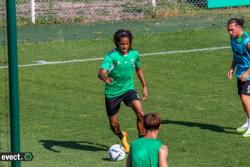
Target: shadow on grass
(107, 159)
(80, 145)
(211, 127)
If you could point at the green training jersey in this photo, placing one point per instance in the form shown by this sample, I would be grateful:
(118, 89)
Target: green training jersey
(144, 152)
(121, 69)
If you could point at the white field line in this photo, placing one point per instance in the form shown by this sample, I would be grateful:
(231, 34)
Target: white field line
(40, 63)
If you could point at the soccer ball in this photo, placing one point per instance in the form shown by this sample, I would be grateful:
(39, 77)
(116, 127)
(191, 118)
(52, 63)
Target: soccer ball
(117, 152)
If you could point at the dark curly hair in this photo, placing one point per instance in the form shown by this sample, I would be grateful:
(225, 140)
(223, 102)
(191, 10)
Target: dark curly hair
(121, 33)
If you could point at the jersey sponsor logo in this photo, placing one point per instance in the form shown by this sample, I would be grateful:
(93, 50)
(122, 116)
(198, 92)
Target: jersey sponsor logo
(132, 61)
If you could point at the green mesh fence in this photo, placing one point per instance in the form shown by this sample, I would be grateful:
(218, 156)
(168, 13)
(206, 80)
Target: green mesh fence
(76, 31)
(61, 11)
(4, 96)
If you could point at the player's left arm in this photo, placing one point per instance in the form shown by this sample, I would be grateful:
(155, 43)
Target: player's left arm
(163, 155)
(244, 76)
(140, 75)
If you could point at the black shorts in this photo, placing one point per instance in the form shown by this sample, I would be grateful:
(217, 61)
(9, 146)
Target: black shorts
(243, 87)
(113, 104)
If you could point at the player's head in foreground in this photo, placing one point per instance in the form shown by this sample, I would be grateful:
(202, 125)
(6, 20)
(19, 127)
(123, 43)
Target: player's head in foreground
(152, 122)
(123, 40)
(149, 151)
(234, 27)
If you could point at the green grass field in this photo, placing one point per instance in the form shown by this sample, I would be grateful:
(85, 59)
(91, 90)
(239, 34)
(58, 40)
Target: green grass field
(63, 119)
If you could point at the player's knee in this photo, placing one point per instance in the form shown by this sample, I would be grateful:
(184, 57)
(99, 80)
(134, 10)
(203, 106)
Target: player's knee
(244, 98)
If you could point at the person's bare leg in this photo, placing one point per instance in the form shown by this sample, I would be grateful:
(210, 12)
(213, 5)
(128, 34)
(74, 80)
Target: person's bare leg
(137, 107)
(115, 127)
(246, 106)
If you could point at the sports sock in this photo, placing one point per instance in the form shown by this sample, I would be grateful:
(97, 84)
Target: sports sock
(248, 123)
(120, 135)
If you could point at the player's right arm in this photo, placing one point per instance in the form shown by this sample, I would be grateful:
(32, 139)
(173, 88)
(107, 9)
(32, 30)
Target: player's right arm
(105, 66)
(163, 154)
(231, 70)
(102, 74)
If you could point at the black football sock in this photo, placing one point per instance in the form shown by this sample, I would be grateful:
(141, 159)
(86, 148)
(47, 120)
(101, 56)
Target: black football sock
(120, 135)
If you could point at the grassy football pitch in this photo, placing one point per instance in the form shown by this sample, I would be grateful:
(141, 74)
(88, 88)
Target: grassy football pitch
(63, 119)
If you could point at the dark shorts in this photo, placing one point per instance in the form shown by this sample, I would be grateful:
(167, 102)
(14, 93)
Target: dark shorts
(113, 104)
(243, 87)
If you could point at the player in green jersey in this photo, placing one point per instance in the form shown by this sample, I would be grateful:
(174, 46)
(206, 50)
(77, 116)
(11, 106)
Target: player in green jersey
(240, 43)
(148, 151)
(117, 71)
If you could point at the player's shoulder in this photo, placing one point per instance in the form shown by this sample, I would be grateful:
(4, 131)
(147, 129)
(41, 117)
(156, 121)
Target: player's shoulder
(163, 148)
(137, 141)
(112, 53)
(245, 35)
(134, 52)
(246, 38)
